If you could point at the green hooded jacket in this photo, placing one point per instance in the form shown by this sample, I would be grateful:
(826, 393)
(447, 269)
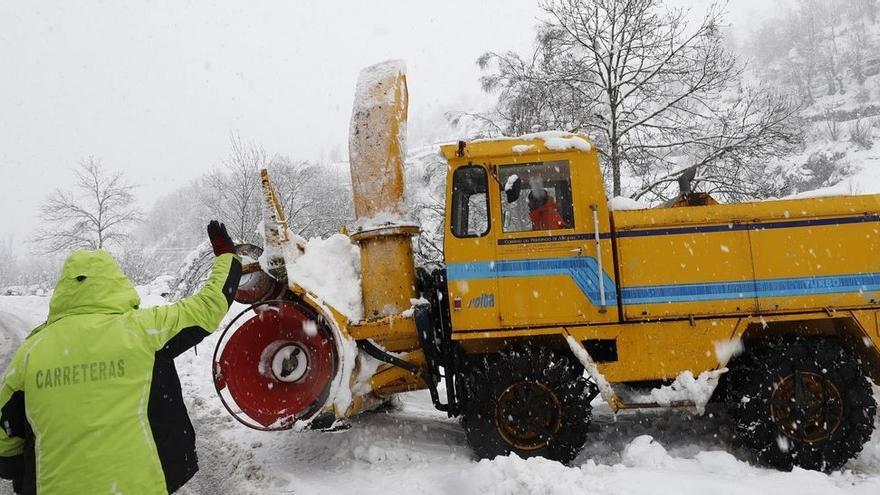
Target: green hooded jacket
(91, 402)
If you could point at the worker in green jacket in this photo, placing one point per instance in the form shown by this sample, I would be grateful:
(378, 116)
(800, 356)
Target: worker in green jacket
(91, 402)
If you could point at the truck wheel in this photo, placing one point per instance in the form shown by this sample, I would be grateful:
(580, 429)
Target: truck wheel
(800, 402)
(527, 401)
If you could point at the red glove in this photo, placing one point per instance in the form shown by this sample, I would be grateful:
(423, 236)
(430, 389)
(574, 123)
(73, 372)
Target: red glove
(220, 240)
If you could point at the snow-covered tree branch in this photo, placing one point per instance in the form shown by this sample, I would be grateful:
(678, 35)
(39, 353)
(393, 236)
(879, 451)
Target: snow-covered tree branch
(656, 92)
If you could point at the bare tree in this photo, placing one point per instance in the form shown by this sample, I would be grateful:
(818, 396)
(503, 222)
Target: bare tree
(316, 200)
(332, 205)
(863, 9)
(232, 192)
(426, 196)
(96, 213)
(732, 151)
(653, 90)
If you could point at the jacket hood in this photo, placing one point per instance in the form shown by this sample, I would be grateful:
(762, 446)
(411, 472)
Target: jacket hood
(92, 283)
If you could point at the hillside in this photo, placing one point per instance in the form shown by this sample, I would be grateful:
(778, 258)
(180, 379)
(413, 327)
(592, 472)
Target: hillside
(824, 55)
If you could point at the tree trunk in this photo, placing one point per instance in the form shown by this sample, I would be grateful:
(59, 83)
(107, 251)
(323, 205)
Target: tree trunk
(615, 169)
(614, 144)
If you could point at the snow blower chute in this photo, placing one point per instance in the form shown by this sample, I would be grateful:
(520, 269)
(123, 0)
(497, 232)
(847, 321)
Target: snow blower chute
(297, 362)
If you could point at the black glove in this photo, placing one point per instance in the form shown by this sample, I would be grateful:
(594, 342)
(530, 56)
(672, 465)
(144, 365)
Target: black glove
(220, 240)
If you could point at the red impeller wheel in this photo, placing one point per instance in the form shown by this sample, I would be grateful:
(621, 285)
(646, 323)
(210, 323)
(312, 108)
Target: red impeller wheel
(277, 367)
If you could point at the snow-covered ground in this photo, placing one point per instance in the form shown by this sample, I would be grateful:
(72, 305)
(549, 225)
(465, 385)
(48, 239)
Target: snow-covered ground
(412, 448)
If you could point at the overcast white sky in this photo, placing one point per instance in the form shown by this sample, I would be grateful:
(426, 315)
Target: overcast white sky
(155, 88)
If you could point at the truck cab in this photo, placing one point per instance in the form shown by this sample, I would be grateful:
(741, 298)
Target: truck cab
(527, 240)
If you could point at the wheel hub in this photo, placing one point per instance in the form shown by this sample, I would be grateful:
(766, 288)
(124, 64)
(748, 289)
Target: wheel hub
(807, 407)
(290, 362)
(527, 415)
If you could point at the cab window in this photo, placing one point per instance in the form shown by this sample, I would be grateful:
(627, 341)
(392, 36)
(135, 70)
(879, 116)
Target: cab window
(470, 202)
(536, 196)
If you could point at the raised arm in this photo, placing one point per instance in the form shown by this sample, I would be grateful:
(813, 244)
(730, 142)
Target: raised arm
(179, 326)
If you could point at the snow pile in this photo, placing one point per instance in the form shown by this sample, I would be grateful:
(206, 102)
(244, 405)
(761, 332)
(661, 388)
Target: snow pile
(649, 468)
(155, 292)
(559, 140)
(366, 368)
(513, 475)
(643, 451)
(687, 388)
(619, 203)
(553, 140)
(562, 143)
(331, 269)
(522, 148)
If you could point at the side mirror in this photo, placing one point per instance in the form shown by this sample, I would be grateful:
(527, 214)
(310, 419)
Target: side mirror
(512, 188)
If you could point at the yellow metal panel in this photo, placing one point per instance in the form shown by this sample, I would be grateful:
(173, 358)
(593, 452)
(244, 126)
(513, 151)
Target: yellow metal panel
(661, 350)
(388, 281)
(670, 261)
(800, 252)
(389, 380)
(538, 300)
(809, 265)
(393, 333)
(469, 306)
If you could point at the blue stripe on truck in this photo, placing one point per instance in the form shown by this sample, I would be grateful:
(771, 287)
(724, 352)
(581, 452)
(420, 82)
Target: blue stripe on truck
(584, 272)
(750, 289)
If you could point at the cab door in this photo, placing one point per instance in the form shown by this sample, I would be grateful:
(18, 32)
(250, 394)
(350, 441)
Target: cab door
(546, 266)
(469, 247)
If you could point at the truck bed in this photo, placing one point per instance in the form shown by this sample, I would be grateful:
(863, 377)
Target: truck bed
(770, 256)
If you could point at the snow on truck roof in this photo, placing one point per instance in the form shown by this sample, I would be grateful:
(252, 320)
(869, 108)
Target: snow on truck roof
(539, 142)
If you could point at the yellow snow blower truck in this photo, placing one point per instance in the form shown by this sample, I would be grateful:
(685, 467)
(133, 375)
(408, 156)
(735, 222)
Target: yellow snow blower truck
(548, 299)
